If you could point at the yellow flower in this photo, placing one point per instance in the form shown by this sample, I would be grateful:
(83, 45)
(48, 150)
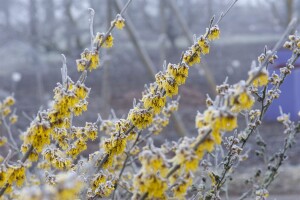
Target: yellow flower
(81, 91)
(261, 79)
(214, 33)
(115, 145)
(13, 119)
(81, 64)
(200, 121)
(141, 118)
(91, 130)
(228, 122)
(241, 100)
(190, 57)
(179, 73)
(153, 162)
(208, 145)
(154, 101)
(216, 135)
(9, 101)
(152, 184)
(6, 111)
(204, 45)
(3, 176)
(17, 175)
(180, 188)
(119, 22)
(3, 141)
(38, 135)
(98, 179)
(94, 60)
(108, 43)
(170, 86)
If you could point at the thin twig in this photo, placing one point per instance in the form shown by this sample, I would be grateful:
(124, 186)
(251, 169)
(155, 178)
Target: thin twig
(9, 133)
(223, 14)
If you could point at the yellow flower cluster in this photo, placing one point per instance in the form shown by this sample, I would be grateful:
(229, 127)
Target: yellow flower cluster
(188, 158)
(57, 158)
(151, 176)
(61, 136)
(153, 161)
(154, 101)
(5, 109)
(102, 185)
(98, 179)
(185, 156)
(115, 145)
(193, 55)
(123, 125)
(3, 175)
(89, 60)
(180, 188)
(141, 118)
(38, 134)
(105, 189)
(65, 102)
(77, 147)
(8, 101)
(150, 183)
(15, 174)
(91, 130)
(167, 83)
(178, 72)
(217, 121)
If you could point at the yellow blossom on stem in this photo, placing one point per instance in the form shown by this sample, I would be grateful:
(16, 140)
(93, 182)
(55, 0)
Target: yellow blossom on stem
(108, 43)
(119, 22)
(9, 101)
(178, 72)
(3, 140)
(154, 101)
(214, 33)
(170, 86)
(241, 99)
(261, 79)
(152, 184)
(180, 188)
(191, 58)
(204, 45)
(91, 130)
(13, 118)
(141, 118)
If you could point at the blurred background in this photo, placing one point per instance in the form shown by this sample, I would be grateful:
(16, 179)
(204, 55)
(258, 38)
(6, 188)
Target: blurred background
(33, 34)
